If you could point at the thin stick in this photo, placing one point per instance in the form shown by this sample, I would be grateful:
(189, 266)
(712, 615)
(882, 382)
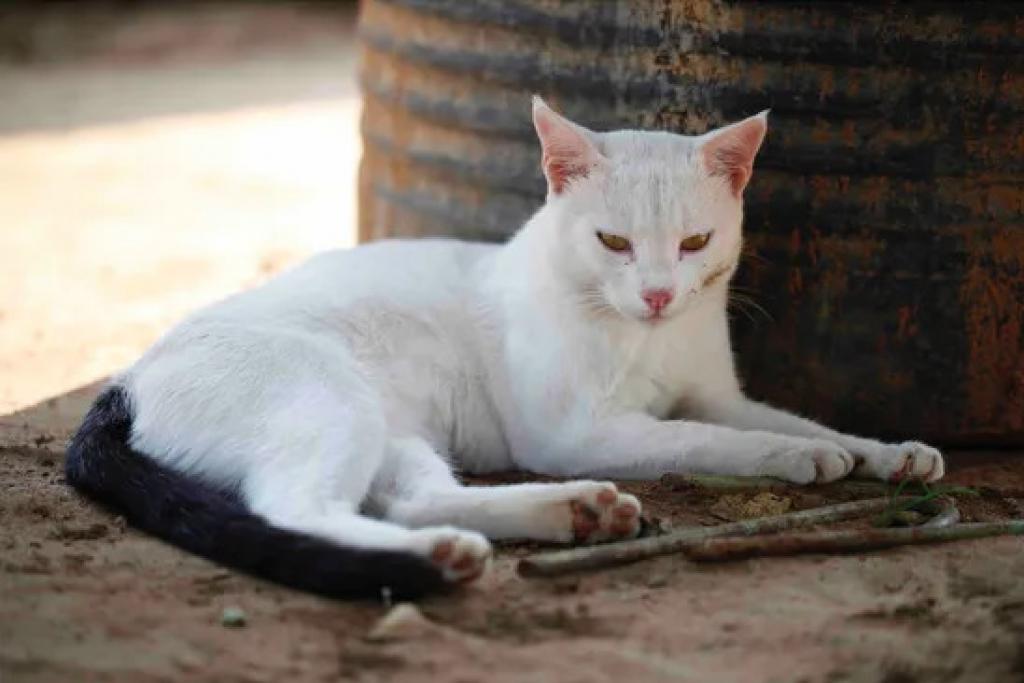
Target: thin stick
(721, 482)
(612, 554)
(722, 549)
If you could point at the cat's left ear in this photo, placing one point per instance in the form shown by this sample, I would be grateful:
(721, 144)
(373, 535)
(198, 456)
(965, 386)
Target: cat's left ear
(569, 152)
(729, 152)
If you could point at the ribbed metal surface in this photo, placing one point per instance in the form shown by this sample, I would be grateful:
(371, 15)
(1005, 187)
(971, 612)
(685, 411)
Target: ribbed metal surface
(886, 214)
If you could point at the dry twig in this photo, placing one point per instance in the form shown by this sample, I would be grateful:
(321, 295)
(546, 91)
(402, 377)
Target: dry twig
(720, 549)
(612, 554)
(727, 483)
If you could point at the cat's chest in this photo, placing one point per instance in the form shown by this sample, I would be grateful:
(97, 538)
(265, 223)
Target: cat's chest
(651, 381)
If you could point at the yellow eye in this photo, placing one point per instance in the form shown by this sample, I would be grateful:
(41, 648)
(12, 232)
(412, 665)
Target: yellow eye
(614, 242)
(695, 242)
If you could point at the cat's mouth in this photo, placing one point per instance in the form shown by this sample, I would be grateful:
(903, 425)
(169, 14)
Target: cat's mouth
(655, 318)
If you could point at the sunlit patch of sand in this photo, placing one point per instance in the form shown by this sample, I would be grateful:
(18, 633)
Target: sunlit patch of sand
(109, 233)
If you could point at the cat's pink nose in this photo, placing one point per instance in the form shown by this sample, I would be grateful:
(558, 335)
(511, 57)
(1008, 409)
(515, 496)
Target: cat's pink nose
(657, 299)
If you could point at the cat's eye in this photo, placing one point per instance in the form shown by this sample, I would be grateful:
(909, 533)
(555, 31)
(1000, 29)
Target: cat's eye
(614, 242)
(695, 242)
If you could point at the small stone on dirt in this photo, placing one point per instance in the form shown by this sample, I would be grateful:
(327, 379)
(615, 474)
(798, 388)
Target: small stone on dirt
(233, 617)
(657, 581)
(404, 621)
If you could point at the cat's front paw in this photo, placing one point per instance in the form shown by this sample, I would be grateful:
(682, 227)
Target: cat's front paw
(896, 462)
(462, 556)
(806, 461)
(601, 513)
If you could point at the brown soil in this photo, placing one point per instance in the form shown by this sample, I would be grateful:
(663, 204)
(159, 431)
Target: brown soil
(85, 598)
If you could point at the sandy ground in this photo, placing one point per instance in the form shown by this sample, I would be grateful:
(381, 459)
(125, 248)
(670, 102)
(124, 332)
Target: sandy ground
(134, 189)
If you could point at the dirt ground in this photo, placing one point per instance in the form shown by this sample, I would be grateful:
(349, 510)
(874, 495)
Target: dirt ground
(141, 182)
(84, 598)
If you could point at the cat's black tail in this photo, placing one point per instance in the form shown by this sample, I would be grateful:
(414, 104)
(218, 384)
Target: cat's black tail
(216, 525)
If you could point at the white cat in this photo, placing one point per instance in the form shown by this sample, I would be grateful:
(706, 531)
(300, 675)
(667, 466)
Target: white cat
(308, 430)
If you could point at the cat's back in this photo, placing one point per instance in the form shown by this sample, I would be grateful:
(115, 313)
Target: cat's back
(392, 275)
(399, 264)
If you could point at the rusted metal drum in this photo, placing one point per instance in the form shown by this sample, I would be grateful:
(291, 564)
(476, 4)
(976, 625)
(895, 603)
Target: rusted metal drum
(886, 214)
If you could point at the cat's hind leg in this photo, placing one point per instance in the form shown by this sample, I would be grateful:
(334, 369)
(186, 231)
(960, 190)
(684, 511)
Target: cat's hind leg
(318, 485)
(416, 487)
(460, 555)
(289, 422)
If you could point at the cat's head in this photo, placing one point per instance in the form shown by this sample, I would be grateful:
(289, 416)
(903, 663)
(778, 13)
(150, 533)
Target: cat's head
(643, 224)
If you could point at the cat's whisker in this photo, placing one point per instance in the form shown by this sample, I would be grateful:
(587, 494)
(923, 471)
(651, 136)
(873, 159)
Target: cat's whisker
(747, 303)
(751, 253)
(591, 299)
(759, 308)
(739, 308)
(740, 299)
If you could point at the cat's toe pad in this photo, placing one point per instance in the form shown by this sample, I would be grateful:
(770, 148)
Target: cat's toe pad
(603, 513)
(809, 461)
(908, 460)
(462, 556)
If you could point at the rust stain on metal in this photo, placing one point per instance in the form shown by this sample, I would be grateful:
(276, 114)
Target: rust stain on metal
(994, 316)
(795, 282)
(906, 328)
(794, 242)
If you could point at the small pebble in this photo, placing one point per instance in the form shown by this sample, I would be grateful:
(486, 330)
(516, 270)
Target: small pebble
(404, 621)
(657, 581)
(233, 617)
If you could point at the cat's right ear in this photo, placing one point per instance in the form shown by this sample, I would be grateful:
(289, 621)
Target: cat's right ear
(729, 152)
(568, 152)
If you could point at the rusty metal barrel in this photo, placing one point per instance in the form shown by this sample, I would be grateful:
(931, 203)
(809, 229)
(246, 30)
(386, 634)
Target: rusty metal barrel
(886, 214)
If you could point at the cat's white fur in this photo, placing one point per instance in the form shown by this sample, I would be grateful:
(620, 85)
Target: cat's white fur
(339, 397)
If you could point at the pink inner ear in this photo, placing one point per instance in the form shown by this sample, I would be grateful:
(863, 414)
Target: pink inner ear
(567, 154)
(731, 151)
(560, 171)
